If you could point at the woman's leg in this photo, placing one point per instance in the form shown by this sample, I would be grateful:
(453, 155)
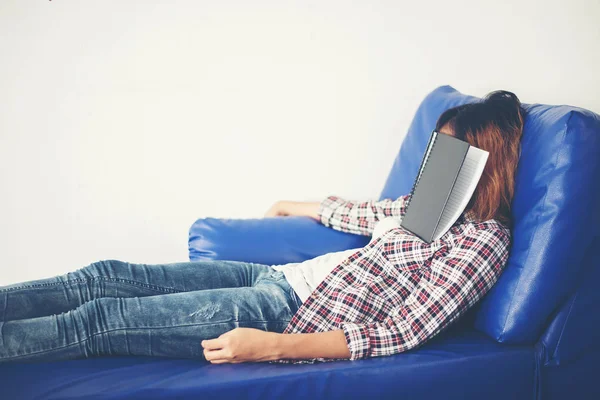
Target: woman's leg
(113, 278)
(168, 325)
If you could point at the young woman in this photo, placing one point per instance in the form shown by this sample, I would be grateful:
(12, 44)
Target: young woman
(388, 297)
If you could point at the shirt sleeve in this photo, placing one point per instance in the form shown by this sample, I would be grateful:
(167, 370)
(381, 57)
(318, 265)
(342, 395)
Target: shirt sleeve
(447, 289)
(359, 217)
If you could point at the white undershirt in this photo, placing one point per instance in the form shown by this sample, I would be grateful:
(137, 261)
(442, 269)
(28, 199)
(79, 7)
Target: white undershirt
(304, 277)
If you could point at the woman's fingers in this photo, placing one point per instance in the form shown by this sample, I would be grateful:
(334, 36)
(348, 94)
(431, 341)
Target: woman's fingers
(213, 344)
(215, 355)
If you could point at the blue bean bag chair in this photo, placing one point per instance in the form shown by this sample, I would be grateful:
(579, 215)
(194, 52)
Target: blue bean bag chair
(533, 336)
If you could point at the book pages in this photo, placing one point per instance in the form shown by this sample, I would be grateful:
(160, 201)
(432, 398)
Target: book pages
(463, 189)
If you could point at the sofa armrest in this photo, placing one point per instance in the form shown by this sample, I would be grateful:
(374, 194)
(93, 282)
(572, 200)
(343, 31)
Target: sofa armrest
(276, 240)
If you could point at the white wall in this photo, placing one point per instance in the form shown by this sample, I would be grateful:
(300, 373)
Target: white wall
(121, 122)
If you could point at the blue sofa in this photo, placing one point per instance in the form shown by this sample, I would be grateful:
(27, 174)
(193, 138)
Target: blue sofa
(535, 335)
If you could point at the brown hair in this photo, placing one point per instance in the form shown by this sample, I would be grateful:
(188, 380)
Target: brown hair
(494, 124)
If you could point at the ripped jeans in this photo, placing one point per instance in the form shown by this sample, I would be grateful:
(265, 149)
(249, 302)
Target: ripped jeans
(117, 308)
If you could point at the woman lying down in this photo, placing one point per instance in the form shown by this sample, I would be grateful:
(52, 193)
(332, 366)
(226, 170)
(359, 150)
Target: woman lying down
(388, 297)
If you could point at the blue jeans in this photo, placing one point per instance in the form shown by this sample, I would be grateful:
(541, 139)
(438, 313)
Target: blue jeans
(118, 308)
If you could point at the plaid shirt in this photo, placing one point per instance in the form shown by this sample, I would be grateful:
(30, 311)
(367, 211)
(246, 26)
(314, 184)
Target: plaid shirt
(398, 291)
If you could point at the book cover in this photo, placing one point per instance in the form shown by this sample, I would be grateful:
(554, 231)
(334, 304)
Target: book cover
(448, 175)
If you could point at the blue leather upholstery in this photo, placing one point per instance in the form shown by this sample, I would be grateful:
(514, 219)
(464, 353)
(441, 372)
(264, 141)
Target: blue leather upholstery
(266, 241)
(575, 329)
(575, 380)
(457, 364)
(556, 199)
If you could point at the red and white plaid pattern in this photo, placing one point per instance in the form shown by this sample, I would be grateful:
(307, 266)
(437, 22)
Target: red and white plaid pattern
(398, 291)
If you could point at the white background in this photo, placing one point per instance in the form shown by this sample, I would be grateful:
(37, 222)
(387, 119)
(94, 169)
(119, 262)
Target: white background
(122, 122)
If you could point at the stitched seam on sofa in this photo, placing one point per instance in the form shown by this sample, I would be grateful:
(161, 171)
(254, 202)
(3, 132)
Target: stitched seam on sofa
(121, 329)
(562, 330)
(133, 283)
(558, 153)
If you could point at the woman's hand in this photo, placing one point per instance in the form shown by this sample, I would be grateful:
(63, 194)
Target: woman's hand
(242, 345)
(290, 208)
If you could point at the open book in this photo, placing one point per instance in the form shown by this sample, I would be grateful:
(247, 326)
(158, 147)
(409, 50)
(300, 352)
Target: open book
(447, 178)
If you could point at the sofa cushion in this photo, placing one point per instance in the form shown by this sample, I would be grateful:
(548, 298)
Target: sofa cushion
(266, 240)
(456, 364)
(555, 210)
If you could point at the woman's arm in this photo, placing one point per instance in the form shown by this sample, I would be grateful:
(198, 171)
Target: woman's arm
(251, 344)
(330, 344)
(343, 215)
(359, 218)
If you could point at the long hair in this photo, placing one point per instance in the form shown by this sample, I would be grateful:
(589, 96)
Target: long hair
(494, 124)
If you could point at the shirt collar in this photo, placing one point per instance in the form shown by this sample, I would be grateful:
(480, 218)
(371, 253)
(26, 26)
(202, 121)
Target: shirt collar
(467, 216)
